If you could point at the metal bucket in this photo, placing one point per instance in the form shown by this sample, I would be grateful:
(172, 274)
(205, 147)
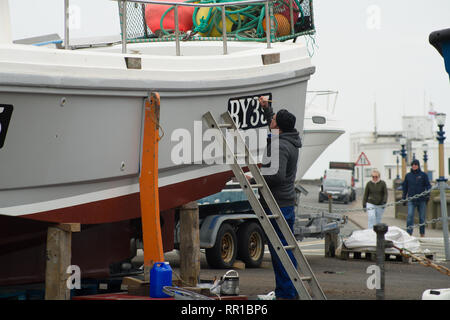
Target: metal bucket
(230, 283)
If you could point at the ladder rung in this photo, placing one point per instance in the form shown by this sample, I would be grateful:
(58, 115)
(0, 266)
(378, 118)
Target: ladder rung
(257, 185)
(305, 278)
(225, 125)
(240, 155)
(289, 247)
(273, 216)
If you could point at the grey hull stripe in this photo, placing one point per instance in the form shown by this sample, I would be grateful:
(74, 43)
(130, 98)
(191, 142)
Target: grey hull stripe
(123, 84)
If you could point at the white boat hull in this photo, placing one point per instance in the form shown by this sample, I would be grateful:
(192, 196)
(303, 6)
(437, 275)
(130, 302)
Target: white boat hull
(317, 137)
(75, 134)
(315, 142)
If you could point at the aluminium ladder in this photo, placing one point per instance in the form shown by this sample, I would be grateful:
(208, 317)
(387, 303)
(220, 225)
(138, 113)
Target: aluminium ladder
(300, 282)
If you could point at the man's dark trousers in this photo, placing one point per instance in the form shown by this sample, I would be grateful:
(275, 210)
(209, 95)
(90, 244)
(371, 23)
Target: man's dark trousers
(283, 284)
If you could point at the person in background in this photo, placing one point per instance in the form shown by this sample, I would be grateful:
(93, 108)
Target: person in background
(375, 195)
(416, 181)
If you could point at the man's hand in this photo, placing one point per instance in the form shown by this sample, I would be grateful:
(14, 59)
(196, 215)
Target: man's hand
(264, 103)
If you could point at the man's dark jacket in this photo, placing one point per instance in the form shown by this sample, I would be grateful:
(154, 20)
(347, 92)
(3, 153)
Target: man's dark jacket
(282, 183)
(416, 181)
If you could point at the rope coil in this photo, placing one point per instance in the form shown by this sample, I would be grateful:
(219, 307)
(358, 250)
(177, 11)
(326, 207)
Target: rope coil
(423, 261)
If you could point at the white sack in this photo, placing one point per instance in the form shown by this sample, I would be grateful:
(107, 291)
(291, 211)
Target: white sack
(367, 239)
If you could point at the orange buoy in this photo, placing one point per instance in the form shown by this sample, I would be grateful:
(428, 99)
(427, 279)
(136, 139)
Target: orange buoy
(282, 23)
(154, 13)
(283, 8)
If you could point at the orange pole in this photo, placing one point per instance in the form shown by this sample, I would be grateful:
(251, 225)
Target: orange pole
(441, 160)
(148, 182)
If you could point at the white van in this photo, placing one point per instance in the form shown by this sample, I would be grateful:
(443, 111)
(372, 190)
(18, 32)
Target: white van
(339, 174)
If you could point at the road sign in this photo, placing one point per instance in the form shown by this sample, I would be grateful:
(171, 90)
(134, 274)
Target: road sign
(362, 160)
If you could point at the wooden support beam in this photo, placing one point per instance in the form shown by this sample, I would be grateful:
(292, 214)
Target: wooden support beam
(59, 256)
(189, 244)
(148, 182)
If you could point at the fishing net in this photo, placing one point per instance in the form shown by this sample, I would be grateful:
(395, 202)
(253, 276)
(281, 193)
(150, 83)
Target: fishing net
(155, 22)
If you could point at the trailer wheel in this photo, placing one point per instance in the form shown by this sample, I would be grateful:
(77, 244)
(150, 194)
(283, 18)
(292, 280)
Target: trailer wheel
(223, 254)
(251, 244)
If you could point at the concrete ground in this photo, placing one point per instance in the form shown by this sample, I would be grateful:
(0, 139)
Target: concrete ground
(344, 279)
(433, 240)
(360, 218)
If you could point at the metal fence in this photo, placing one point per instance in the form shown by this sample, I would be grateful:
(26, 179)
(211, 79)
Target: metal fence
(222, 20)
(246, 17)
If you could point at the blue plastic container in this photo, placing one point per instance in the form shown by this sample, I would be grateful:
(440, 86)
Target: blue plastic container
(160, 276)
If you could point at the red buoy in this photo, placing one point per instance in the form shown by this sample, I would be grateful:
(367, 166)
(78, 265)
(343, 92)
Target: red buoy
(154, 13)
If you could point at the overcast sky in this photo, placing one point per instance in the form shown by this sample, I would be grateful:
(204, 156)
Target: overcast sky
(378, 50)
(369, 51)
(91, 17)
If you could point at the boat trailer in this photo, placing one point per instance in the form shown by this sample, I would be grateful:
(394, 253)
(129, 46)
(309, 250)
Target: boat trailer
(318, 225)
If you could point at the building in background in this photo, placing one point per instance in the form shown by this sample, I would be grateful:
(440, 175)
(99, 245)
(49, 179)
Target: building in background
(382, 149)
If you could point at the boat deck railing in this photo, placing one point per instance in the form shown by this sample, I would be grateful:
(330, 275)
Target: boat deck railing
(249, 21)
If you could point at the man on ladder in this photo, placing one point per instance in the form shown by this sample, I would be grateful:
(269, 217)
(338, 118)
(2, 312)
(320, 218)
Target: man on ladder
(280, 172)
(281, 183)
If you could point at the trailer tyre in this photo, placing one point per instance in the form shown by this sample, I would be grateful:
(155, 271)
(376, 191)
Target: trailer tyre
(223, 254)
(251, 244)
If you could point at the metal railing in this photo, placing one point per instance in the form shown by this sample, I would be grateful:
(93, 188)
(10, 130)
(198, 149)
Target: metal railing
(269, 17)
(123, 6)
(66, 24)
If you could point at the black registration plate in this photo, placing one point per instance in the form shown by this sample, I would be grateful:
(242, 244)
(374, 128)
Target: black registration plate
(246, 111)
(5, 116)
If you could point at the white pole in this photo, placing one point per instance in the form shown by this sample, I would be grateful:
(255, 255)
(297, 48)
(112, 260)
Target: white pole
(5, 22)
(224, 31)
(66, 24)
(268, 25)
(443, 197)
(124, 27)
(177, 32)
(362, 180)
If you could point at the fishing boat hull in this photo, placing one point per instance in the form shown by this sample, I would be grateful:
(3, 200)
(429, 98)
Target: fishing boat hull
(73, 130)
(76, 140)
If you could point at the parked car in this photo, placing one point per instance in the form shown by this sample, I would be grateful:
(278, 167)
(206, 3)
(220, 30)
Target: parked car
(339, 190)
(342, 174)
